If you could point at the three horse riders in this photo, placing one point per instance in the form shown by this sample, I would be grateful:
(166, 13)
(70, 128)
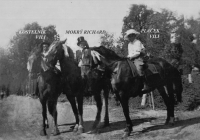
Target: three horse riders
(136, 52)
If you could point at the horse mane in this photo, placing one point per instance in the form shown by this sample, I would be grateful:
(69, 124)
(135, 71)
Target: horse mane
(71, 53)
(107, 53)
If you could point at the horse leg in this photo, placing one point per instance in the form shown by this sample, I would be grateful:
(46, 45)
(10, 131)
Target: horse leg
(75, 111)
(178, 88)
(106, 117)
(80, 114)
(170, 92)
(124, 103)
(165, 96)
(98, 100)
(53, 112)
(44, 115)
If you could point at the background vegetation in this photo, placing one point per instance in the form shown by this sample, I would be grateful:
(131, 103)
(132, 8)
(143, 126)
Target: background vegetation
(13, 72)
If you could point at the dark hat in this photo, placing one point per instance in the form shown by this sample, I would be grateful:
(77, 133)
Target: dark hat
(45, 43)
(80, 40)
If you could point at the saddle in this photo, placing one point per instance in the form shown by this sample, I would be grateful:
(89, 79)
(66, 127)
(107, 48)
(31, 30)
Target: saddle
(149, 69)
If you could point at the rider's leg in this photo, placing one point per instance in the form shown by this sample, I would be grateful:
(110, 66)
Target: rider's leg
(139, 63)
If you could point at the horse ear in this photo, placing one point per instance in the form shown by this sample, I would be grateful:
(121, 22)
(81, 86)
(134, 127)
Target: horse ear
(63, 41)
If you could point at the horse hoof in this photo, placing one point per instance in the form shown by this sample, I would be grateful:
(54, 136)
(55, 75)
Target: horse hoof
(75, 128)
(94, 131)
(126, 134)
(106, 124)
(170, 121)
(166, 122)
(95, 124)
(80, 129)
(126, 130)
(56, 132)
(43, 133)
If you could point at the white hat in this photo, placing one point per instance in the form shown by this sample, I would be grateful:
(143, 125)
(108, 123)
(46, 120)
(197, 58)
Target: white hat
(130, 31)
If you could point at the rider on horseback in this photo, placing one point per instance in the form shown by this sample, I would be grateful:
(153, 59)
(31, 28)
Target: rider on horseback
(45, 46)
(83, 44)
(136, 54)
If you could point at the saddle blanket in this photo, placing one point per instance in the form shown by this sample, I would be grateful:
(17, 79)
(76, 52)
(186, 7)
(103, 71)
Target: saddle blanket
(151, 69)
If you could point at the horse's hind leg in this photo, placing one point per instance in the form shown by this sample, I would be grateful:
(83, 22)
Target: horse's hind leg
(106, 117)
(170, 91)
(53, 111)
(75, 111)
(80, 114)
(98, 100)
(170, 108)
(44, 115)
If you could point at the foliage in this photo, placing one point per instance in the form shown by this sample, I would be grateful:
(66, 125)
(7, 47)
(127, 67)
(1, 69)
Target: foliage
(13, 65)
(150, 22)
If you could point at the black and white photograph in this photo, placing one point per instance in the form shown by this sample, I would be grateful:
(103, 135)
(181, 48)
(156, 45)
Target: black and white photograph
(99, 69)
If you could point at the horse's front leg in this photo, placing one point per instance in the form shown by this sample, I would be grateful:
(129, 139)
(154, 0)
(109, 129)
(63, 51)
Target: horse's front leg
(53, 112)
(75, 111)
(106, 117)
(124, 102)
(44, 116)
(98, 100)
(80, 114)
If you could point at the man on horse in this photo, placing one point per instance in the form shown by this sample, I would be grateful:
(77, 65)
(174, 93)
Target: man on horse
(83, 44)
(136, 54)
(45, 47)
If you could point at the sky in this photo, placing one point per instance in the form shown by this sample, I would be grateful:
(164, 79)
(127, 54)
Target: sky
(69, 15)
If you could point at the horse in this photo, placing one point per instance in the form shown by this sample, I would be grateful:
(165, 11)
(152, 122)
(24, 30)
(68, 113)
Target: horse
(69, 68)
(48, 87)
(99, 82)
(72, 81)
(126, 83)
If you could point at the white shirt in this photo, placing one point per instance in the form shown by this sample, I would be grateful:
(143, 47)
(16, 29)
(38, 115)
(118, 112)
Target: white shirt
(134, 48)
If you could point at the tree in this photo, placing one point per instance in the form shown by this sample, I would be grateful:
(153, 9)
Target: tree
(107, 40)
(21, 45)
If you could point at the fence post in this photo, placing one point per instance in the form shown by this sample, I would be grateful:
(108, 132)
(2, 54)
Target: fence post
(190, 78)
(144, 96)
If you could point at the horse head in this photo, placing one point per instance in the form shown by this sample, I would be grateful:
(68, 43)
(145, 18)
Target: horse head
(92, 61)
(57, 51)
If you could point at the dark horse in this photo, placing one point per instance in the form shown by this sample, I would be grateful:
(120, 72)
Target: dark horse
(48, 87)
(99, 81)
(125, 82)
(72, 73)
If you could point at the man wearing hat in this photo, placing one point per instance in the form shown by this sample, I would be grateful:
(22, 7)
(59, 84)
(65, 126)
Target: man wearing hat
(45, 46)
(83, 44)
(136, 53)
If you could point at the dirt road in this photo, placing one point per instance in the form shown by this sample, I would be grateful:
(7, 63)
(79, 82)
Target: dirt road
(20, 119)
